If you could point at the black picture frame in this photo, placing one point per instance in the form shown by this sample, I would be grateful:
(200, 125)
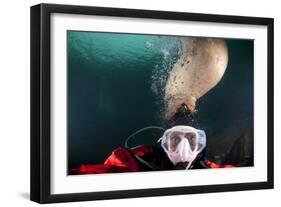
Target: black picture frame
(41, 99)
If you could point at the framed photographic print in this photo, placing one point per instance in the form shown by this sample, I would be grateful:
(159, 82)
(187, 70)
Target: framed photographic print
(132, 103)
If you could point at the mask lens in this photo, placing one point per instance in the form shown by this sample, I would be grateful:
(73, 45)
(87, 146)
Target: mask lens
(191, 137)
(174, 139)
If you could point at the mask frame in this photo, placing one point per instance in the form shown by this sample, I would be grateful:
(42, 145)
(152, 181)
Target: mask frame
(179, 147)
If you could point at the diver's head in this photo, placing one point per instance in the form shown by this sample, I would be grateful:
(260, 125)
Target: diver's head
(182, 144)
(183, 116)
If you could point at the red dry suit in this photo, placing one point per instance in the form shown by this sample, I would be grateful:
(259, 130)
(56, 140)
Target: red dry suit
(124, 160)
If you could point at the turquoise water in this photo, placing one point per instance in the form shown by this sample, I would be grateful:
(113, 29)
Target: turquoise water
(116, 84)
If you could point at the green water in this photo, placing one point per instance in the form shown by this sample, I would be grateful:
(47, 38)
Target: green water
(116, 83)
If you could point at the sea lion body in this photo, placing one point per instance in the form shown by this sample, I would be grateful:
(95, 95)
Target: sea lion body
(200, 67)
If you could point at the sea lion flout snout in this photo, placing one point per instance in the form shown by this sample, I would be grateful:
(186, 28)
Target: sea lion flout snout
(200, 67)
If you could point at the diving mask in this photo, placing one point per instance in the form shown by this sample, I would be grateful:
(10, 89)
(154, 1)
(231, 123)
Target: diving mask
(182, 144)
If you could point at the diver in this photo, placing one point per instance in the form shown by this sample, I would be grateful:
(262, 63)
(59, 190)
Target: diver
(181, 147)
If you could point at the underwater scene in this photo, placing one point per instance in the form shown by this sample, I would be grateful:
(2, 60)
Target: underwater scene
(138, 102)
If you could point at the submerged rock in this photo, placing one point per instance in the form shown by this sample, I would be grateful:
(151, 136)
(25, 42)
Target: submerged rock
(233, 145)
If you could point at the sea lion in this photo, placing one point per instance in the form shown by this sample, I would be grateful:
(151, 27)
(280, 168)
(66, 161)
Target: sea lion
(200, 67)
